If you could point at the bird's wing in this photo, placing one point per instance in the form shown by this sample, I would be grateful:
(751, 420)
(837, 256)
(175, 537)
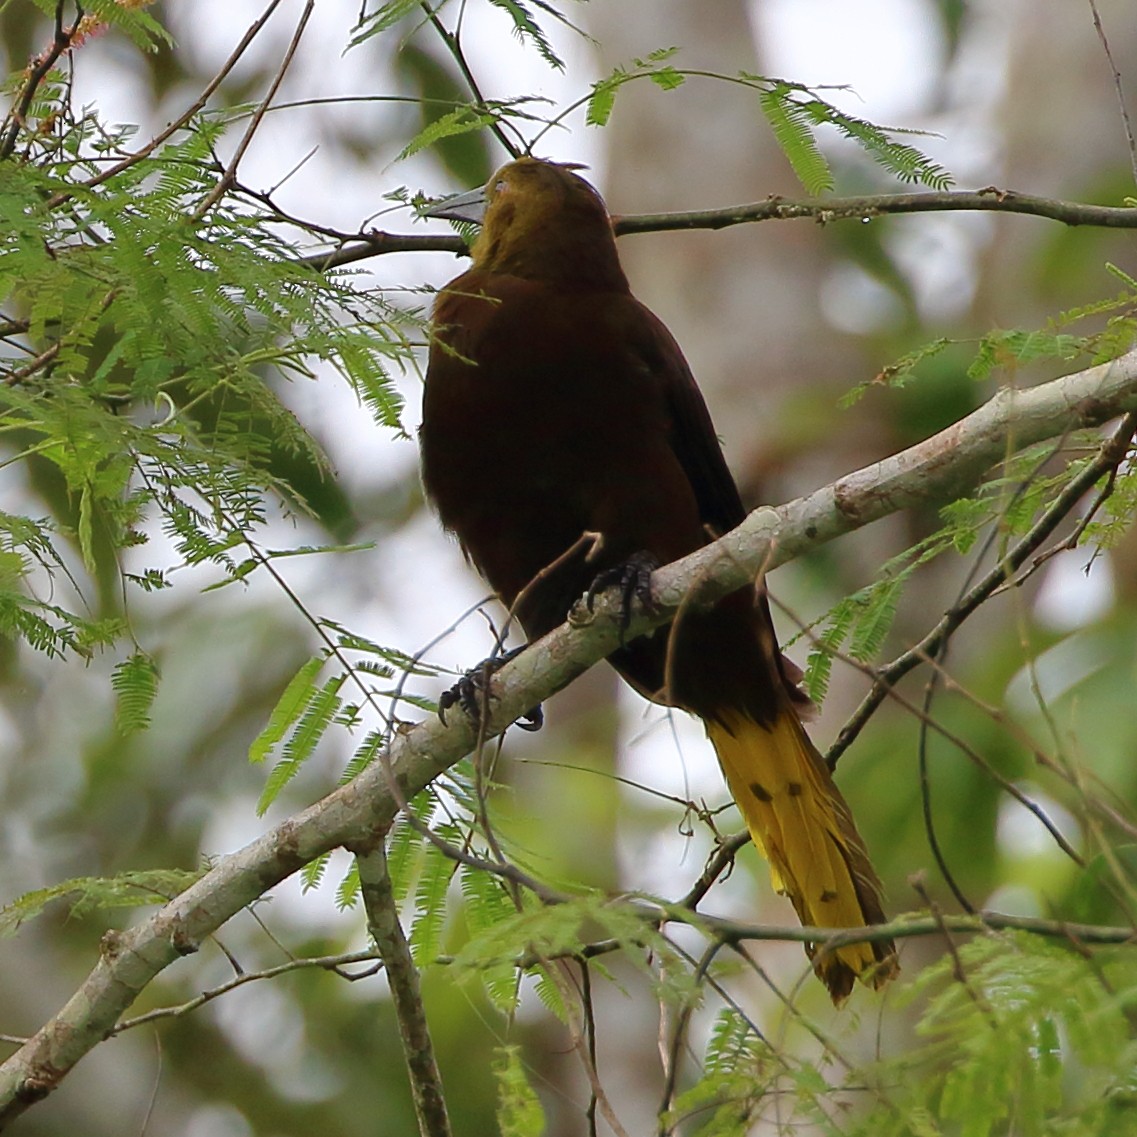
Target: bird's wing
(693, 437)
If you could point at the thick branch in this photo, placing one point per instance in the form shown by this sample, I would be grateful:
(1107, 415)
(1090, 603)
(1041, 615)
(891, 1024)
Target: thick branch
(934, 470)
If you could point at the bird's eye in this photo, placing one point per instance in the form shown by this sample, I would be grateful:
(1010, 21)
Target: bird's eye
(500, 186)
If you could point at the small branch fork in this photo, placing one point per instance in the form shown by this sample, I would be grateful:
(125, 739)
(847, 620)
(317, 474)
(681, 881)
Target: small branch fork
(943, 466)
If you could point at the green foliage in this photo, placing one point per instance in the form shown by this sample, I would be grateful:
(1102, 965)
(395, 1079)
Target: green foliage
(319, 711)
(487, 904)
(528, 30)
(1001, 350)
(792, 123)
(149, 335)
(461, 120)
(860, 621)
(1034, 1038)
(793, 111)
(135, 682)
(83, 895)
(655, 67)
(737, 1071)
(384, 17)
(435, 875)
(519, 1112)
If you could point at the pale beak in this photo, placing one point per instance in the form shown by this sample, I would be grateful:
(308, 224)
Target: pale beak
(470, 206)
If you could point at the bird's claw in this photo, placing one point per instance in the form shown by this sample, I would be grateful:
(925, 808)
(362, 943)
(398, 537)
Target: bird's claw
(632, 581)
(472, 695)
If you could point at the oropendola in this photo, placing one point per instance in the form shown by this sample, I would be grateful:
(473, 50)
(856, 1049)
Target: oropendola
(556, 404)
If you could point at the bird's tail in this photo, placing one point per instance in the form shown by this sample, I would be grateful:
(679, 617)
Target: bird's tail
(803, 826)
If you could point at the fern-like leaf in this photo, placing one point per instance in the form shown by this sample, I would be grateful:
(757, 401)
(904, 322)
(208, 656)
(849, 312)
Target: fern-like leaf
(519, 1112)
(321, 709)
(289, 707)
(135, 683)
(89, 894)
(791, 122)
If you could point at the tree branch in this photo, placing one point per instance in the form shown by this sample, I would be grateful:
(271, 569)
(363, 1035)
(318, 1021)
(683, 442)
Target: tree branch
(990, 200)
(934, 470)
(402, 977)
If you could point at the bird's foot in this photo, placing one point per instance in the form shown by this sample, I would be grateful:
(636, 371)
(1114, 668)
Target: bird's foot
(632, 580)
(471, 692)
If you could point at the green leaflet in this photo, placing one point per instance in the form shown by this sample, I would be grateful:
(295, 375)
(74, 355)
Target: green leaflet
(89, 894)
(289, 707)
(320, 708)
(519, 1112)
(135, 683)
(792, 122)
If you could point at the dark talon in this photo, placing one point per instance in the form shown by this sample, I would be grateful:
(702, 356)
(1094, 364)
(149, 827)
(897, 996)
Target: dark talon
(469, 692)
(532, 719)
(632, 579)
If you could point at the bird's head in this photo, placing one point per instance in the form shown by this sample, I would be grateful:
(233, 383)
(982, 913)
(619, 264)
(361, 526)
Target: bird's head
(540, 220)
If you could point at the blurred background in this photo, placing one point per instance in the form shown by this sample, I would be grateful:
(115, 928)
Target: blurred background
(778, 320)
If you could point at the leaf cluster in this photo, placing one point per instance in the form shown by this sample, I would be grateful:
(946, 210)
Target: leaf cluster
(794, 112)
(148, 334)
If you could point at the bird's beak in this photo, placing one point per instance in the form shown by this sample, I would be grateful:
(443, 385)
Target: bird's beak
(470, 206)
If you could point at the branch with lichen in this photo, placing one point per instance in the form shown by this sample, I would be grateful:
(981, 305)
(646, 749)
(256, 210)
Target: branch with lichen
(939, 468)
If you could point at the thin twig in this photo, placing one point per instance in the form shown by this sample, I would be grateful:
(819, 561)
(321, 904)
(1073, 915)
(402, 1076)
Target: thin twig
(719, 860)
(324, 962)
(225, 182)
(988, 200)
(1117, 86)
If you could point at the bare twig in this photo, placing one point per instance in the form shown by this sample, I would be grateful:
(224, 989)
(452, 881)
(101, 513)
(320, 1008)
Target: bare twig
(717, 863)
(782, 209)
(334, 963)
(987, 200)
(1118, 87)
(226, 180)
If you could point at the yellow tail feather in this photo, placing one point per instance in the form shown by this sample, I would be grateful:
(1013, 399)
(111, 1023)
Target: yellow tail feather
(802, 825)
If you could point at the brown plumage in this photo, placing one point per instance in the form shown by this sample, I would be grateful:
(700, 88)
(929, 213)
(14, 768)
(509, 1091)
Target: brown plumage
(555, 403)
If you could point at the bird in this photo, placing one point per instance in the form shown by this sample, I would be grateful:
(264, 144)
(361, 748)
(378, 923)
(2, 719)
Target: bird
(556, 405)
